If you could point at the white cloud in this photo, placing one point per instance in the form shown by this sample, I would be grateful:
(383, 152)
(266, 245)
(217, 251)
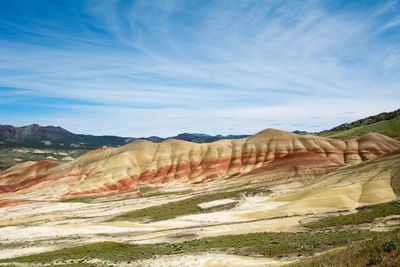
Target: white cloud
(216, 68)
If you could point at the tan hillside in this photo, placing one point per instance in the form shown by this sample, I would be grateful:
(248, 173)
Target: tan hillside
(371, 182)
(173, 161)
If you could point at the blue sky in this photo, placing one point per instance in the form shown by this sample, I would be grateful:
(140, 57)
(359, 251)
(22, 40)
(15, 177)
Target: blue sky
(140, 68)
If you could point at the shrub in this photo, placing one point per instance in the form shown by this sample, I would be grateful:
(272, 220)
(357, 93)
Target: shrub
(389, 245)
(374, 260)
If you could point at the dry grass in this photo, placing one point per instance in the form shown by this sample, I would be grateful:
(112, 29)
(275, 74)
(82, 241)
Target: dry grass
(265, 244)
(174, 209)
(382, 250)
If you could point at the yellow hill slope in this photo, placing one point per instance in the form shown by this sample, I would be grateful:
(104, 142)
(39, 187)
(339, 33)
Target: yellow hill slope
(370, 182)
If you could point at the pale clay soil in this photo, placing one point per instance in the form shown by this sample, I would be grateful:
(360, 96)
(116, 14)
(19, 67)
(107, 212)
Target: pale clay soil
(38, 227)
(49, 225)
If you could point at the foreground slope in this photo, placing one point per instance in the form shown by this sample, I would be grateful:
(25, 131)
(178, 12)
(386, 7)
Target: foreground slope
(371, 182)
(117, 170)
(271, 224)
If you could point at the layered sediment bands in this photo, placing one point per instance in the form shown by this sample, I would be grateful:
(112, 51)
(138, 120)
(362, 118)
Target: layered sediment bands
(25, 175)
(173, 161)
(303, 164)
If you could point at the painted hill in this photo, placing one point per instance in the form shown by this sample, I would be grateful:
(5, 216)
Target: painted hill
(387, 123)
(373, 181)
(272, 153)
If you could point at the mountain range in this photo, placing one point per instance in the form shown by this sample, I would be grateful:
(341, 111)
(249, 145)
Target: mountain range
(37, 136)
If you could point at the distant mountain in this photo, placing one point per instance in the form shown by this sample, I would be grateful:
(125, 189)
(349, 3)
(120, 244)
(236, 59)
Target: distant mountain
(37, 136)
(204, 138)
(387, 123)
(300, 132)
(55, 137)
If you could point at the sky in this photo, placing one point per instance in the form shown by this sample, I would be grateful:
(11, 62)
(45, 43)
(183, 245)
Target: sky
(142, 68)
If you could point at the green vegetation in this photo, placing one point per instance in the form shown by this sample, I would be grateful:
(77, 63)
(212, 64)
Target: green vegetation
(395, 181)
(382, 117)
(11, 156)
(265, 244)
(154, 191)
(390, 128)
(46, 137)
(364, 215)
(81, 199)
(174, 209)
(163, 193)
(381, 250)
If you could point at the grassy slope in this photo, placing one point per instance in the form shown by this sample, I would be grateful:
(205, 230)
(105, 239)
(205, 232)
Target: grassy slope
(364, 215)
(390, 128)
(174, 209)
(265, 244)
(381, 250)
(81, 199)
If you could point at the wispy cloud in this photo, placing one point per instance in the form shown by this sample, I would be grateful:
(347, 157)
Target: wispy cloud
(157, 67)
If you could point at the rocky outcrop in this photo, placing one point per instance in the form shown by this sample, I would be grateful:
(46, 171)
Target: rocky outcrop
(142, 162)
